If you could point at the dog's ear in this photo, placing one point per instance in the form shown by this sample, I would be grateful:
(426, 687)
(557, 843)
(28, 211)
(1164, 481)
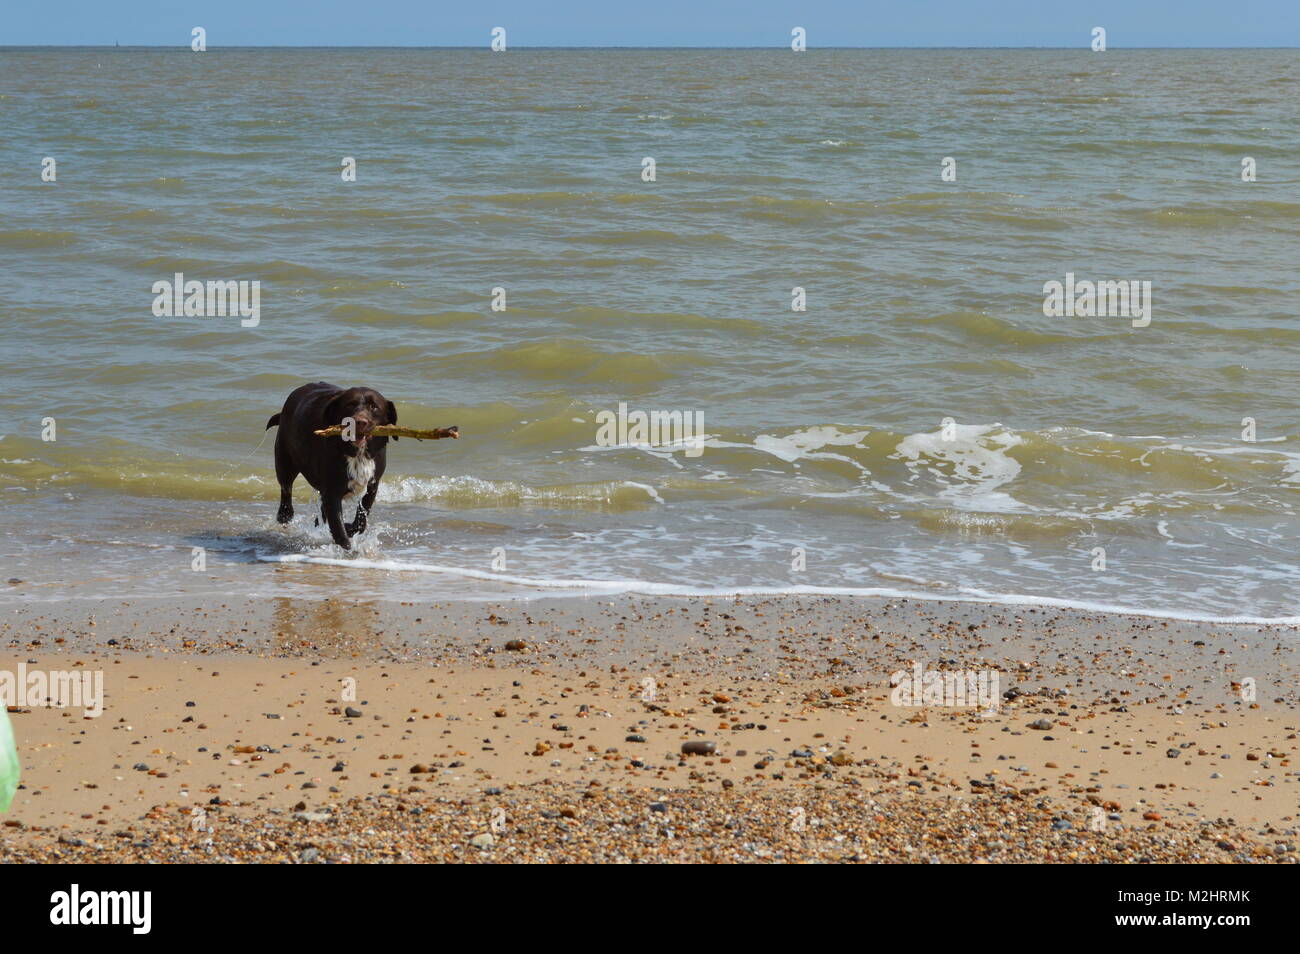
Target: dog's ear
(334, 409)
(392, 415)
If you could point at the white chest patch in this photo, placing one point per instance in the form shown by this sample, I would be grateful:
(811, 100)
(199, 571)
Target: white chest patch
(361, 471)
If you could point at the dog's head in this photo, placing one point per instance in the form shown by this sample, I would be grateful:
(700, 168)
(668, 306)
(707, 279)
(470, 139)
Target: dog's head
(366, 407)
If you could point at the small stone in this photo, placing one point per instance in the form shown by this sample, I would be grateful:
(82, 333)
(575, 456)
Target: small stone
(699, 748)
(483, 840)
(352, 713)
(1042, 725)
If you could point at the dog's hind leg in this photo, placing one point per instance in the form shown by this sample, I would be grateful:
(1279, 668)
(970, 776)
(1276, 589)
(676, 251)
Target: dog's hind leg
(285, 474)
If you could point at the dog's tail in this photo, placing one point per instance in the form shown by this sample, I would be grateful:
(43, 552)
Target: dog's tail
(274, 421)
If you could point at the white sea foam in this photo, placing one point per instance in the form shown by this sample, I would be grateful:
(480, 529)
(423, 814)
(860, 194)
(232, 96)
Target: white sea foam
(808, 442)
(476, 490)
(647, 588)
(970, 467)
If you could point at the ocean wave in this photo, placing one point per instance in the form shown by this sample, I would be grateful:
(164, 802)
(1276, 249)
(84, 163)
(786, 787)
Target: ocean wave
(1067, 473)
(473, 492)
(36, 238)
(970, 462)
(1218, 215)
(559, 198)
(989, 328)
(687, 321)
(373, 315)
(631, 237)
(571, 360)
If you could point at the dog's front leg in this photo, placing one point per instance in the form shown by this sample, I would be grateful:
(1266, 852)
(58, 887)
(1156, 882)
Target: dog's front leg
(331, 508)
(358, 525)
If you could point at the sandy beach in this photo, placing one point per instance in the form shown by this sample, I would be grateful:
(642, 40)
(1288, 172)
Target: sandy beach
(553, 730)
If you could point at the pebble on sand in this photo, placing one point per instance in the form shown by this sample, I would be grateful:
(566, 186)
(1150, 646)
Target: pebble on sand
(699, 748)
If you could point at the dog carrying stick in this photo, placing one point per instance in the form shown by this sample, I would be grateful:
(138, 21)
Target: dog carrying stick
(392, 430)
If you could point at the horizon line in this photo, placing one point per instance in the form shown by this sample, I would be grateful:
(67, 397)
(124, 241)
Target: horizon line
(180, 47)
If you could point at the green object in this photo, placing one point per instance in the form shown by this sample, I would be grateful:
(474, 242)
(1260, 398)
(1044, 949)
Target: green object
(9, 769)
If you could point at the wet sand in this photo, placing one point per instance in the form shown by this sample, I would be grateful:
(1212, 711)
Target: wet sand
(553, 730)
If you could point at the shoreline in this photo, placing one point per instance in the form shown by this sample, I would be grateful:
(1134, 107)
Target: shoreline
(1112, 723)
(304, 577)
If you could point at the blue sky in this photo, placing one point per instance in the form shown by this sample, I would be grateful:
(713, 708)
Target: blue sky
(1129, 23)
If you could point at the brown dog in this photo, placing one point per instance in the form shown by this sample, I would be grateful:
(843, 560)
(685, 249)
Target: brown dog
(339, 469)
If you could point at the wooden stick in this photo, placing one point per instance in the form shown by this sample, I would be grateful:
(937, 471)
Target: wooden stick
(392, 430)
